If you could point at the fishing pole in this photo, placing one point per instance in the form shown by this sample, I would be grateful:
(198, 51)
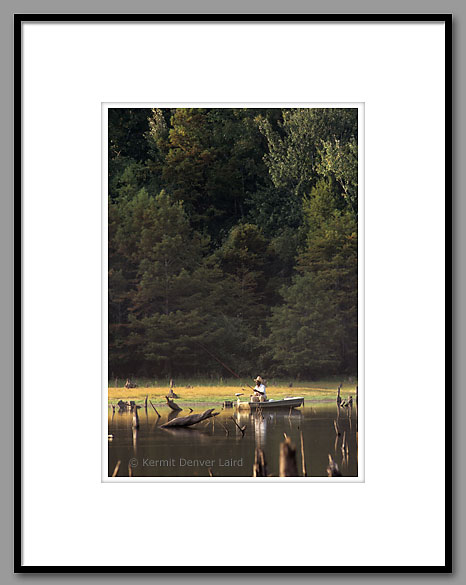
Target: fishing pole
(221, 363)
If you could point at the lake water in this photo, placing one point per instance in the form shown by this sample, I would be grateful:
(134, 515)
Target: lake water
(218, 444)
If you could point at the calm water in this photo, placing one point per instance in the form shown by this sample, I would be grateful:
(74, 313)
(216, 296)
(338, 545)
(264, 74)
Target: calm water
(155, 452)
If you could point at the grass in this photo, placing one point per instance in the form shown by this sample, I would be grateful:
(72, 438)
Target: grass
(214, 392)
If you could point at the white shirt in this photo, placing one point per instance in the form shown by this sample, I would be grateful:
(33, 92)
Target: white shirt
(260, 388)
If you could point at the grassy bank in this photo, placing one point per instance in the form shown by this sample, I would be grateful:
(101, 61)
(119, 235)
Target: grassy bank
(218, 392)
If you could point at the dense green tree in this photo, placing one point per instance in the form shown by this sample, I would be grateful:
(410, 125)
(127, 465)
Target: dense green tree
(295, 151)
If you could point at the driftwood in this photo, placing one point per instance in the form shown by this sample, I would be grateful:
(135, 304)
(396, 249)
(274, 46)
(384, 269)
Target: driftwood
(332, 469)
(172, 404)
(191, 419)
(260, 466)
(288, 467)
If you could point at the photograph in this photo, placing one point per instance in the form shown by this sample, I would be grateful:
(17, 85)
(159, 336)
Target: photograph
(232, 292)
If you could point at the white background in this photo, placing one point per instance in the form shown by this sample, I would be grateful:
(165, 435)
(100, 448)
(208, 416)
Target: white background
(397, 516)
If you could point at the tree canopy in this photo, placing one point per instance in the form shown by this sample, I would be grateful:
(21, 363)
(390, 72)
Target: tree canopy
(233, 232)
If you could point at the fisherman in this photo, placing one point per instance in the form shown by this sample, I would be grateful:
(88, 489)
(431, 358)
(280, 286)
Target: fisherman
(259, 390)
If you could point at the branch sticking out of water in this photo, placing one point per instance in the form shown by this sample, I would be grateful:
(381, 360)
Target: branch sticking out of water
(242, 429)
(117, 467)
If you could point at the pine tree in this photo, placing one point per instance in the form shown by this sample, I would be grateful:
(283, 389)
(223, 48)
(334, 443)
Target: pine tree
(315, 331)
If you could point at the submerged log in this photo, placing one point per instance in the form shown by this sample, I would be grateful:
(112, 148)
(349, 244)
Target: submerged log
(172, 404)
(191, 419)
(288, 467)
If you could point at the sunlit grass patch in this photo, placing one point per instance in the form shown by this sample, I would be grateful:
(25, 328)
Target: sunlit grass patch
(315, 390)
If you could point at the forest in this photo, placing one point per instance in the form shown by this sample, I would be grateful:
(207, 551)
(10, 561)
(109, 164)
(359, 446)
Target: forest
(232, 234)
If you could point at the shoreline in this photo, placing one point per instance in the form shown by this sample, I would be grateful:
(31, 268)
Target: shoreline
(213, 395)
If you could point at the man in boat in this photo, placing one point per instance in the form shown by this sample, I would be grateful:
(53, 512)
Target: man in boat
(260, 394)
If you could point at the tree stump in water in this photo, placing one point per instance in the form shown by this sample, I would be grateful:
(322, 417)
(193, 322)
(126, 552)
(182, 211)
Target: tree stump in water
(288, 467)
(191, 419)
(332, 469)
(135, 417)
(259, 468)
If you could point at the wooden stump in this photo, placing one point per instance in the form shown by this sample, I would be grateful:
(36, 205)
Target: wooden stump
(288, 467)
(332, 469)
(135, 417)
(259, 468)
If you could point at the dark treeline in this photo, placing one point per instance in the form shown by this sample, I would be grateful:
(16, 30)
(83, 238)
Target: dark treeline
(233, 230)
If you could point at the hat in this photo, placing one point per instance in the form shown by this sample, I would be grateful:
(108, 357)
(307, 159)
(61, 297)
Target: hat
(258, 379)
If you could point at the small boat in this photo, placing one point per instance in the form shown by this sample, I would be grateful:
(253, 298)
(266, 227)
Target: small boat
(291, 402)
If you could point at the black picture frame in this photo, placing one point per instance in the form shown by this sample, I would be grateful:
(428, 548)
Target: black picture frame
(19, 19)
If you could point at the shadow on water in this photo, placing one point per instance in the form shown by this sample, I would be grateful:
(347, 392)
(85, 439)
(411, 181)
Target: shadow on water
(228, 447)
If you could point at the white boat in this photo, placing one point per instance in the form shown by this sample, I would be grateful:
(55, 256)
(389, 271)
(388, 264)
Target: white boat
(290, 402)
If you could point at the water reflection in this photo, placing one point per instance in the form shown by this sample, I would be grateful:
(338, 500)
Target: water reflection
(227, 444)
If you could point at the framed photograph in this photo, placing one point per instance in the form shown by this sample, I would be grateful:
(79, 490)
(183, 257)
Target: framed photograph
(233, 262)
(220, 267)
